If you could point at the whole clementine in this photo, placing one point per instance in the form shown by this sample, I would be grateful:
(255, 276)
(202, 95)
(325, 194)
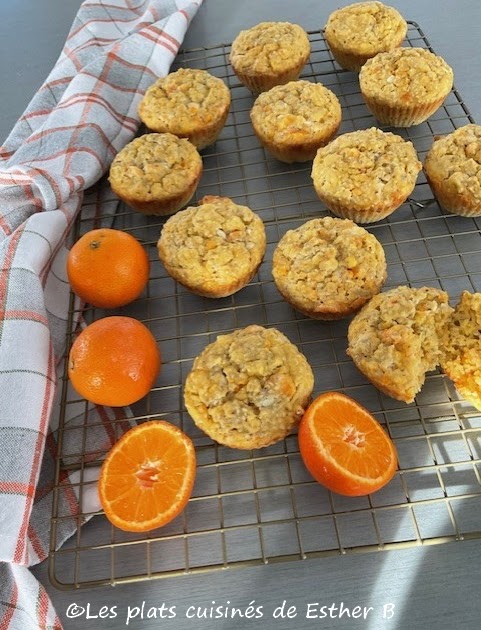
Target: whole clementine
(114, 361)
(344, 447)
(107, 268)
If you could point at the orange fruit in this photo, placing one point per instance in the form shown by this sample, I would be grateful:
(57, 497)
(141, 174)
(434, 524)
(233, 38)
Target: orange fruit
(147, 477)
(107, 268)
(114, 361)
(344, 447)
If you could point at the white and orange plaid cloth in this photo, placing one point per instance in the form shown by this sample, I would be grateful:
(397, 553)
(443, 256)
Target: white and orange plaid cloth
(84, 113)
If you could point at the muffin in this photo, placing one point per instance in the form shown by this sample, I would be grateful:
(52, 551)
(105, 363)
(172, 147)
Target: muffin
(292, 121)
(365, 175)
(405, 87)
(189, 103)
(157, 173)
(269, 54)
(453, 170)
(214, 249)
(396, 338)
(360, 31)
(461, 343)
(328, 268)
(249, 389)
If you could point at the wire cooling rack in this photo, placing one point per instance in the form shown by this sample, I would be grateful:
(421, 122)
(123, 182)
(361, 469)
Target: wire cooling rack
(262, 506)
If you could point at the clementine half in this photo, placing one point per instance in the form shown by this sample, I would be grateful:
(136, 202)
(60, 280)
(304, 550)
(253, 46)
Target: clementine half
(147, 477)
(344, 447)
(114, 361)
(107, 268)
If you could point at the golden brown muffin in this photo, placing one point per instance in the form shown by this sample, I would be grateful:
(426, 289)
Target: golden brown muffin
(189, 103)
(396, 338)
(292, 121)
(461, 344)
(157, 173)
(360, 31)
(453, 170)
(249, 388)
(365, 175)
(213, 249)
(404, 87)
(269, 54)
(328, 268)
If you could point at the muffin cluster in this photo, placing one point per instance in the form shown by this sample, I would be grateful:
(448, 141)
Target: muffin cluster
(249, 388)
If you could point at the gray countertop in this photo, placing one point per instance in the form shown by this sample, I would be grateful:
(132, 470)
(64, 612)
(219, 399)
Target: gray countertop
(429, 586)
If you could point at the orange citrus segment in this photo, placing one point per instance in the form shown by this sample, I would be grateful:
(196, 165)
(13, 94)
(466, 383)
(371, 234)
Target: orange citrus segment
(344, 447)
(147, 477)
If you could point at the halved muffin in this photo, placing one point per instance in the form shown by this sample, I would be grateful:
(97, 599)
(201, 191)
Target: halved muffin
(397, 337)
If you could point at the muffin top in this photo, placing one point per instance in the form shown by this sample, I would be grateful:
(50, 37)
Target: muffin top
(365, 167)
(184, 101)
(296, 112)
(365, 28)
(461, 344)
(214, 244)
(455, 160)
(155, 165)
(406, 76)
(395, 339)
(269, 48)
(329, 265)
(249, 388)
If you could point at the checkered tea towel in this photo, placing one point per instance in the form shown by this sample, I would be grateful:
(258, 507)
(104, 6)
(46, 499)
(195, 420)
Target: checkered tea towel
(84, 113)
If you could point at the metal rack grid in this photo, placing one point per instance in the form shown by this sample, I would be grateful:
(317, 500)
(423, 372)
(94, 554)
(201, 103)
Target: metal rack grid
(262, 506)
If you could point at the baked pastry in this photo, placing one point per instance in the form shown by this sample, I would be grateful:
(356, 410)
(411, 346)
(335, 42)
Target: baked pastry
(406, 86)
(213, 249)
(461, 343)
(453, 170)
(292, 121)
(365, 175)
(189, 103)
(157, 173)
(360, 31)
(328, 268)
(397, 337)
(269, 54)
(248, 389)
